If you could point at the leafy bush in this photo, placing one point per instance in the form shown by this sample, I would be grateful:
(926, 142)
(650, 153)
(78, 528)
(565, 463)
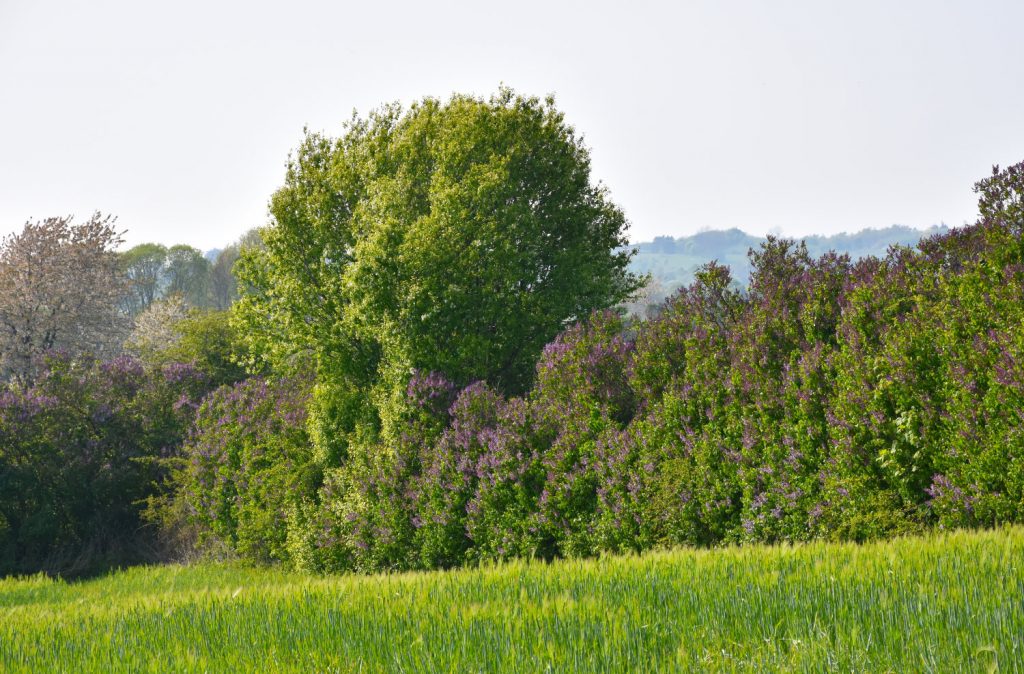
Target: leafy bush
(169, 332)
(79, 452)
(247, 463)
(832, 399)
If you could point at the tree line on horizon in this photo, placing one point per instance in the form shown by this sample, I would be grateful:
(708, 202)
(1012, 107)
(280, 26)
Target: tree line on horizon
(422, 368)
(143, 290)
(202, 280)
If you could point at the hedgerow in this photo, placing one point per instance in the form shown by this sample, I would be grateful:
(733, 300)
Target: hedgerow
(830, 399)
(827, 399)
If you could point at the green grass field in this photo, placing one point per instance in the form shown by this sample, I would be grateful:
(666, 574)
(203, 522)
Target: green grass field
(945, 603)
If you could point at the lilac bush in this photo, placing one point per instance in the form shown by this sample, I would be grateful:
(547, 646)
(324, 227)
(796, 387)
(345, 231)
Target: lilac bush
(80, 450)
(829, 399)
(581, 395)
(246, 461)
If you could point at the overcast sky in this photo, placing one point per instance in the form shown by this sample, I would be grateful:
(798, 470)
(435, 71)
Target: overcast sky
(799, 117)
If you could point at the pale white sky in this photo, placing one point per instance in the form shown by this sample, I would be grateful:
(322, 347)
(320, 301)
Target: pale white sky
(801, 117)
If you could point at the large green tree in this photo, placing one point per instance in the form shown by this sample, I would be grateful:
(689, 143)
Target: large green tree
(456, 236)
(188, 274)
(143, 267)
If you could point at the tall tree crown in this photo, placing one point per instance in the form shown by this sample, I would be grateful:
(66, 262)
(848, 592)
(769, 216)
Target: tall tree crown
(60, 285)
(456, 236)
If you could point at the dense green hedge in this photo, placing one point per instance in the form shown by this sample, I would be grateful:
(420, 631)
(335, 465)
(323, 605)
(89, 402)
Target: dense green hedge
(831, 399)
(80, 450)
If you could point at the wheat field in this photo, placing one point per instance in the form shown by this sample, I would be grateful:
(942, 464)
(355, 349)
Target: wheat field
(943, 603)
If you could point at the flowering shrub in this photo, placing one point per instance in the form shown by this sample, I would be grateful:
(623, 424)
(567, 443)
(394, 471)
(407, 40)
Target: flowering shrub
(832, 399)
(364, 516)
(581, 399)
(246, 462)
(79, 451)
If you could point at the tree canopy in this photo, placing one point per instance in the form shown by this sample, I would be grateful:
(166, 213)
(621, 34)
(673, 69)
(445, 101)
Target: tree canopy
(456, 236)
(143, 267)
(60, 284)
(156, 272)
(188, 275)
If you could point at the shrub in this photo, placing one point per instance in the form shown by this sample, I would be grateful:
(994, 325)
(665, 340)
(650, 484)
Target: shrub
(80, 451)
(831, 399)
(247, 463)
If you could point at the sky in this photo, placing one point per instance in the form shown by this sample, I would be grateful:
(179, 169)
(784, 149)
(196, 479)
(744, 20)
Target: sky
(810, 117)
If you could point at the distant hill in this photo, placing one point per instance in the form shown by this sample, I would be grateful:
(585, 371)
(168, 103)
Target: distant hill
(673, 261)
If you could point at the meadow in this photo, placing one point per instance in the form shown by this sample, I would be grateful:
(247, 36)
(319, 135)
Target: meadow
(941, 603)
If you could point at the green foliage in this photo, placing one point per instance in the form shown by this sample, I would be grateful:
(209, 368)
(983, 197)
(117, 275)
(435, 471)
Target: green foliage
(188, 274)
(581, 400)
(246, 464)
(79, 450)
(169, 332)
(223, 282)
(948, 602)
(457, 237)
(207, 339)
(156, 272)
(687, 443)
(143, 266)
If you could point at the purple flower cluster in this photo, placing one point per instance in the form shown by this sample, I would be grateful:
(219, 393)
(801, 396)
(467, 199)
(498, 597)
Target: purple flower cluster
(248, 439)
